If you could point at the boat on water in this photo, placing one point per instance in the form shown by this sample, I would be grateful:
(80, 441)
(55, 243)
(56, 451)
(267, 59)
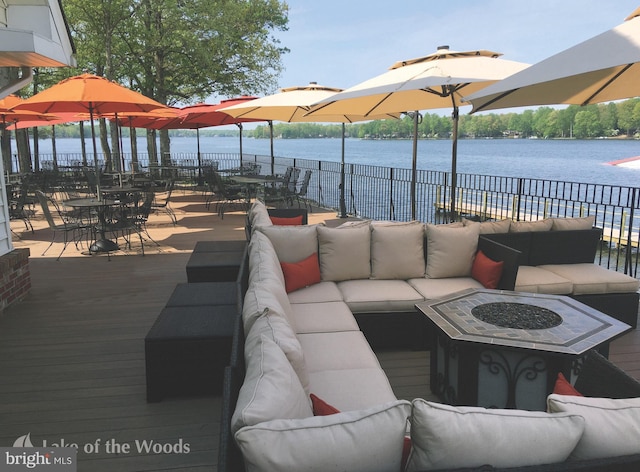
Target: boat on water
(629, 162)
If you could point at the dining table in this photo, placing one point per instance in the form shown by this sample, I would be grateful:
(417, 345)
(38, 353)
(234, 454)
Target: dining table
(252, 182)
(94, 212)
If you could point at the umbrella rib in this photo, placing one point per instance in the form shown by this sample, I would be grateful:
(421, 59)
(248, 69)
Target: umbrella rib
(606, 84)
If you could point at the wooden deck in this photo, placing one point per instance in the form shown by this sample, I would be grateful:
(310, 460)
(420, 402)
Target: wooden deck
(72, 353)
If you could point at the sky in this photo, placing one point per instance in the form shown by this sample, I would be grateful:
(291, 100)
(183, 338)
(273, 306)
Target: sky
(340, 43)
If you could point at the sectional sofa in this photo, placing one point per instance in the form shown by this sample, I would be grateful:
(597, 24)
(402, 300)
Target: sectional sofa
(305, 391)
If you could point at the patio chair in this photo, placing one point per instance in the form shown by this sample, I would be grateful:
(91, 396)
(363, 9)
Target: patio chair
(164, 203)
(227, 194)
(289, 188)
(18, 206)
(60, 223)
(304, 188)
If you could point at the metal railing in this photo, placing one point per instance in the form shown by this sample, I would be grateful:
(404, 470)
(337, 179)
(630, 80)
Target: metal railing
(377, 192)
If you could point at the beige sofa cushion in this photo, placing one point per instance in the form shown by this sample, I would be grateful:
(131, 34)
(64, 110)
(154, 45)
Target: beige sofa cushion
(593, 278)
(564, 224)
(490, 227)
(612, 426)
(318, 293)
(367, 440)
(446, 437)
(263, 260)
(271, 389)
(323, 317)
(436, 288)
(258, 215)
(397, 250)
(368, 387)
(345, 252)
(379, 296)
(538, 280)
(540, 225)
(262, 296)
(450, 250)
(276, 328)
(292, 243)
(339, 350)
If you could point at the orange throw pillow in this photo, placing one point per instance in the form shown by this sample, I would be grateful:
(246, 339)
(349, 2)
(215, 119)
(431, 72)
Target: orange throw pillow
(322, 408)
(301, 274)
(286, 221)
(563, 387)
(486, 271)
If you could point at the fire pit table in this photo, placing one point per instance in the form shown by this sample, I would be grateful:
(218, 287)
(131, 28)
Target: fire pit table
(503, 349)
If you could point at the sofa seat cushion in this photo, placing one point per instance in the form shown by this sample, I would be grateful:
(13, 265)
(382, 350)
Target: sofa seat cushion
(271, 389)
(352, 389)
(323, 317)
(593, 278)
(340, 350)
(366, 440)
(379, 296)
(612, 426)
(537, 280)
(436, 288)
(317, 293)
(449, 437)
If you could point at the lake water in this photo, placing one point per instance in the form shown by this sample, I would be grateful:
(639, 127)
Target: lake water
(570, 160)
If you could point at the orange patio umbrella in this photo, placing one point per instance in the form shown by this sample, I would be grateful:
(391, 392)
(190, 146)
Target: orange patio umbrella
(89, 93)
(12, 116)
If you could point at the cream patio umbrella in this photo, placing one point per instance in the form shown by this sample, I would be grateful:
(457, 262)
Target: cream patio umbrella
(601, 69)
(438, 80)
(292, 105)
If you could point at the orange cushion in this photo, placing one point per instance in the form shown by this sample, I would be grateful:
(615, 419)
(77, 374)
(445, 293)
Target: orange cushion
(563, 387)
(322, 408)
(301, 274)
(486, 271)
(286, 221)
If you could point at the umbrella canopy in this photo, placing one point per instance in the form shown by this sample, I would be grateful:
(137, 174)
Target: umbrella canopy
(603, 68)
(88, 93)
(9, 115)
(438, 80)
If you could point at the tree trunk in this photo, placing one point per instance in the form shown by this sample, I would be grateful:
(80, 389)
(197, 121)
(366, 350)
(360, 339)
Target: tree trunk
(135, 166)
(83, 145)
(36, 150)
(5, 145)
(24, 151)
(106, 149)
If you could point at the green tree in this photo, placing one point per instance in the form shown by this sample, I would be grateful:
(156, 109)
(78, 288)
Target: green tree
(587, 123)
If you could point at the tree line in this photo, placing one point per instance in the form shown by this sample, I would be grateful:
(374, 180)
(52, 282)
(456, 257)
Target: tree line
(591, 121)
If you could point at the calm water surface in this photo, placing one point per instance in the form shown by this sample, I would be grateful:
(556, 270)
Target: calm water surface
(571, 160)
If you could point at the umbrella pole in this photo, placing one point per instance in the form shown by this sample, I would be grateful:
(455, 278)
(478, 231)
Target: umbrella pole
(199, 157)
(240, 130)
(272, 156)
(343, 205)
(454, 163)
(95, 154)
(414, 165)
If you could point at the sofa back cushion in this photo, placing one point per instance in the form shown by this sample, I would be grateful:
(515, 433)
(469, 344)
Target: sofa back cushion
(450, 250)
(258, 215)
(526, 226)
(490, 227)
(564, 247)
(564, 224)
(292, 243)
(612, 426)
(397, 250)
(345, 253)
(449, 437)
(520, 241)
(271, 389)
(368, 440)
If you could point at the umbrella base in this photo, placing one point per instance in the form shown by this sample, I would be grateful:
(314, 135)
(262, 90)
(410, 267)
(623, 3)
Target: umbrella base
(103, 245)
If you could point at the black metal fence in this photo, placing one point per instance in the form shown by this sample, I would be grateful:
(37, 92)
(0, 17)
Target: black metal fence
(385, 193)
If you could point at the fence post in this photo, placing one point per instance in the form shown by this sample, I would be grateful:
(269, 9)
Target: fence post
(391, 193)
(629, 253)
(520, 191)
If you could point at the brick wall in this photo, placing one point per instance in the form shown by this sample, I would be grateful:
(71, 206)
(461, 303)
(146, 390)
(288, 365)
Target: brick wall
(15, 278)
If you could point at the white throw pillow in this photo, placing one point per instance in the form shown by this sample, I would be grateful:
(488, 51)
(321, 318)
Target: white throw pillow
(345, 252)
(367, 440)
(450, 250)
(612, 426)
(271, 389)
(292, 243)
(444, 437)
(397, 250)
(564, 224)
(523, 226)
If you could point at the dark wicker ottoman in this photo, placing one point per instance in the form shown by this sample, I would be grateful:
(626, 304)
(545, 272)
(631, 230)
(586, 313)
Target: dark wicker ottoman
(187, 349)
(205, 293)
(215, 261)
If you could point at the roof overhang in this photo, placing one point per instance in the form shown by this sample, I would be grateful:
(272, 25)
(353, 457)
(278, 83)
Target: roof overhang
(27, 48)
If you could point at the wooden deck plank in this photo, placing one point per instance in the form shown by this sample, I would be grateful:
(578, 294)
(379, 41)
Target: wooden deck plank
(72, 352)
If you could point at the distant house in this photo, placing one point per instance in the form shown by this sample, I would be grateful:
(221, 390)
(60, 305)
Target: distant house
(33, 33)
